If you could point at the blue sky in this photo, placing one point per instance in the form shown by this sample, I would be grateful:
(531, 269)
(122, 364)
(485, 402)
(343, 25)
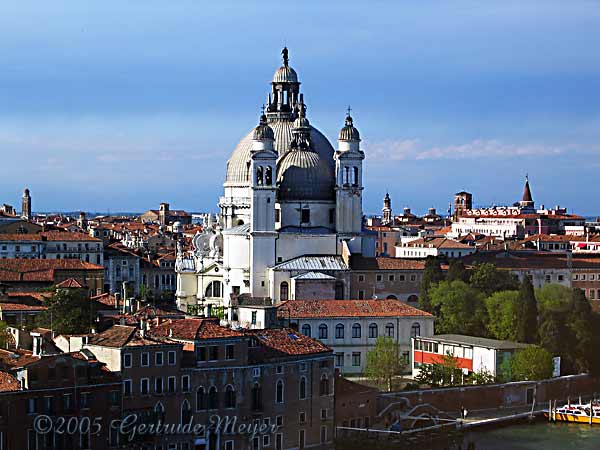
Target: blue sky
(120, 105)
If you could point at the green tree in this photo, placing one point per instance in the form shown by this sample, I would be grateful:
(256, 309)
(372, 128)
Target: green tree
(384, 362)
(69, 312)
(432, 274)
(503, 315)
(457, 271)
(527, 324)
(532, 363)
(444, 373)
(553, 296)
(581, 325)
(459, 307)
(488, 279)
(482, 377)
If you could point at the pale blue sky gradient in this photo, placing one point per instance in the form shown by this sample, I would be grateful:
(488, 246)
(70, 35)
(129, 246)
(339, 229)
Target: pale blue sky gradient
(122, 105)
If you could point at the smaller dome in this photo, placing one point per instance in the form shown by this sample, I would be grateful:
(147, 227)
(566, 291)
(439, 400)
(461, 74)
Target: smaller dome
(301, 121)
(263, 131)
(302, 175)
(285, 74)
(349, 133)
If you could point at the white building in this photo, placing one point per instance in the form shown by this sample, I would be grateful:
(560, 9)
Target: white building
(473, 354)
(351, 327)
(433, 246)
(289, 199)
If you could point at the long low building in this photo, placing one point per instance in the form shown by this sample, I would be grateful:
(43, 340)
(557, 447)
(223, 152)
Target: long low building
(473, 354)
(351, 327)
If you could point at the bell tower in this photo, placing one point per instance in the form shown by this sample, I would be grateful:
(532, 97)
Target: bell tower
(26, 205)
(348, 180)
(386, 216)
(262, 206)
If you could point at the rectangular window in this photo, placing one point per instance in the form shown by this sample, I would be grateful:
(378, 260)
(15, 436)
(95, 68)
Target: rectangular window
(391, 278)
(67, 402)
(361, 295)
(127, 388)
(323, 434)
(331, 215)
(379, 277)
(84, 400)
(127, 360)
(413, 278)
(356, 359)
(229, 445)
(277, 215)
(185, 383)
(401, 277)
(266, 440)
(302, 417)
(324, 414)
(301, 438)
(145, 359)
(171, 384)
(230, 352)
(305, 215)
(279, 369)
(201, 353)
(172, 358)
(144, 386)
(361, 278)
(158, 358)
(575, 277)
(279, 441)
(583, 277)
(253, 320)
(279, 421)
(214, 353)
(158, 385)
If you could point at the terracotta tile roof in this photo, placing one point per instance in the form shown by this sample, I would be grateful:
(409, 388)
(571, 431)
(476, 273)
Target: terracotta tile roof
(105, 299)
(347, 308)
(194, 329)
(37, 296)
(385, 263)
(116, 336)
(52, 236)
(40, 269)
(283, 342)
(21, 307)
(17, 358)
(549, 238)
(523, 260)
(69, 283)
(8, 382)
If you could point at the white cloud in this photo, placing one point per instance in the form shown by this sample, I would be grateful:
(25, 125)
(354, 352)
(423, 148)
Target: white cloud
(415, 149)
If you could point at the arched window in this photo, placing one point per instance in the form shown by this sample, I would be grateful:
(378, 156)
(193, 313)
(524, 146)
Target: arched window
(356, 330)
(324, 385)
(373, 330)
(389, 330)
(339, 290)
(200, 399)
(268, 176)
(230, 400)
(279, 392)
(213, 398)
(322, 331)
(159, 412)
(256, 397)
(213, 289)
(415, 330)
(284, 291)
(306, 330)
(186, 411)
(391, 297)
(302, 388)
(339, 331)
(259, 175)
(412, 298)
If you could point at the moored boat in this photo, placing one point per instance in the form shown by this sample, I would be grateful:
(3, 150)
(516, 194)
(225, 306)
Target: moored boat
(579, 413)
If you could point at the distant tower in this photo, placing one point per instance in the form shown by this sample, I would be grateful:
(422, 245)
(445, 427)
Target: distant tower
(82, 221)
(463, 201)
(26, 205)
(163, 214)
(348, 185)
(386, 216)
(527, 200)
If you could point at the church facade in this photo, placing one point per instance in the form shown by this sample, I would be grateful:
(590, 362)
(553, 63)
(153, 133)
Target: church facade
(291, 213)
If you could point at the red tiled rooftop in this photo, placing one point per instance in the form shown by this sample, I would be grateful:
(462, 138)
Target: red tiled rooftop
(284, 342)
(347, 308)
(8, 382)
(52, 236)
(40, 269)
(21, 307)
(69, 283)
(194, 329)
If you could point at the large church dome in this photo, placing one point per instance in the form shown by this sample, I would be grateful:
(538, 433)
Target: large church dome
(304, 175)
(281, 111)
(238, 165)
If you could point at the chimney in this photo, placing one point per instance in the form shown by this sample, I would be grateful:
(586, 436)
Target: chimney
(142, 328)
(117, 300)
